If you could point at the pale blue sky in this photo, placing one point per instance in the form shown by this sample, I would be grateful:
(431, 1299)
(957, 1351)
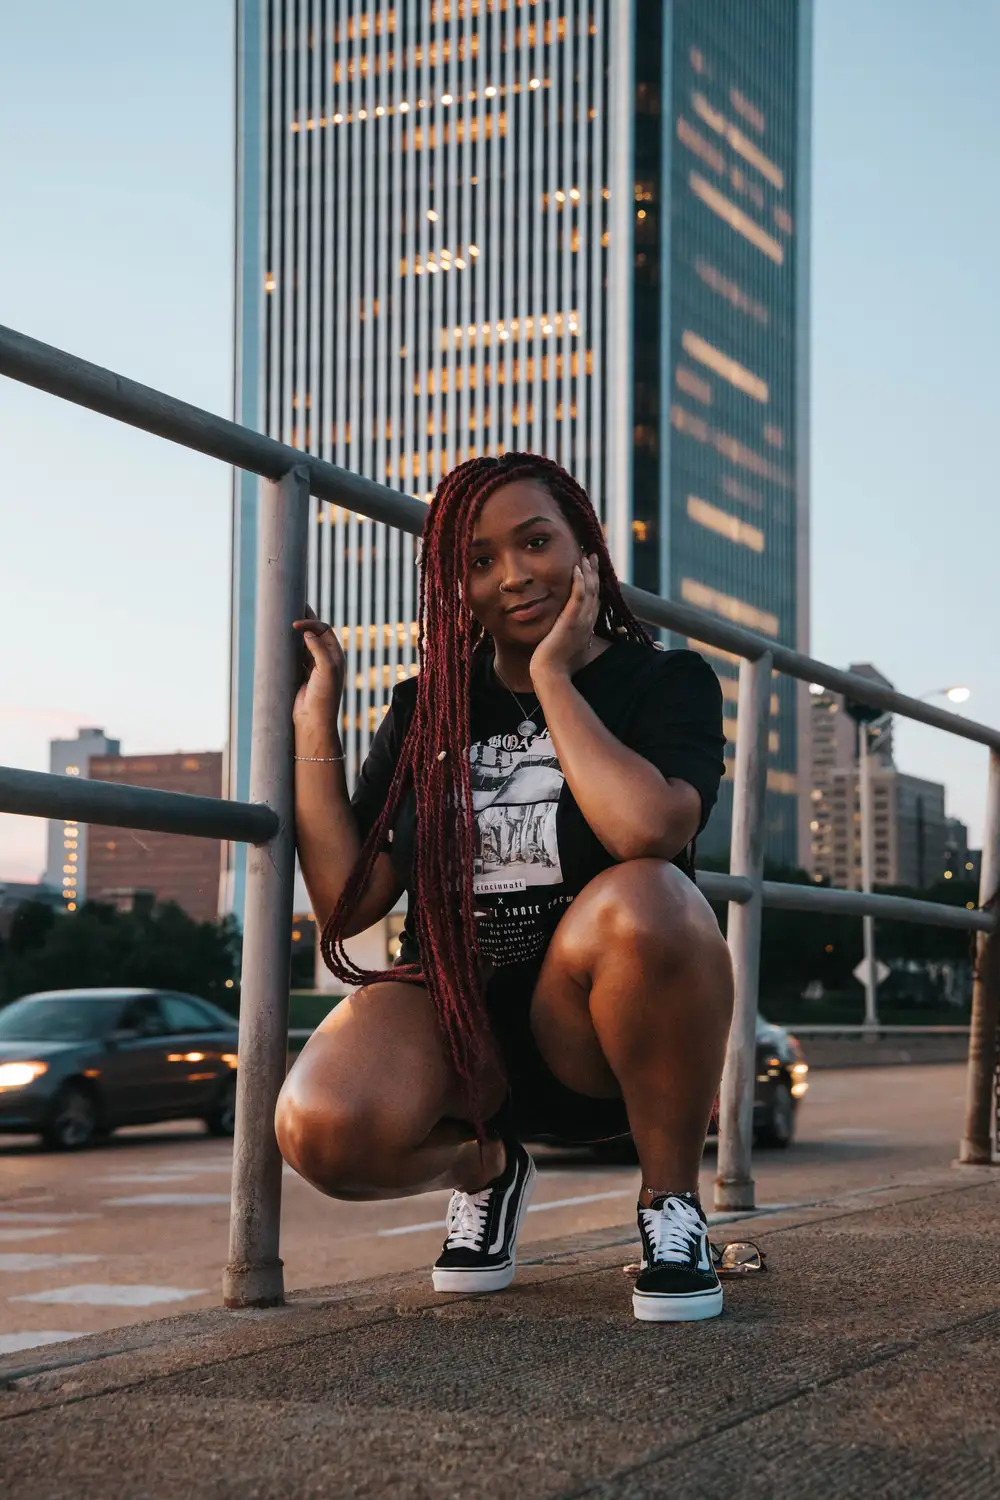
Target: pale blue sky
(116, 243)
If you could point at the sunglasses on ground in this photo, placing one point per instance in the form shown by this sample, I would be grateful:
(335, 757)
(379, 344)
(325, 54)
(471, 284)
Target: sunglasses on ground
(735, 1259)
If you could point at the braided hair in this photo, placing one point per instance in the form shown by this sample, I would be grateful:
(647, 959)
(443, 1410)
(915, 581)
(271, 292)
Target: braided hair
(434, 755)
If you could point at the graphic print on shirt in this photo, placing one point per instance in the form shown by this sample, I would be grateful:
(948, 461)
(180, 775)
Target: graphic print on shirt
(515, 796)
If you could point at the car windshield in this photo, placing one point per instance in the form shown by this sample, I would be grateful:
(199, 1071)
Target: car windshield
(66, 1019)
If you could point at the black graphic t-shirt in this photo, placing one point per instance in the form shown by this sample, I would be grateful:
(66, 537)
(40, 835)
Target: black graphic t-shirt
(535, 850)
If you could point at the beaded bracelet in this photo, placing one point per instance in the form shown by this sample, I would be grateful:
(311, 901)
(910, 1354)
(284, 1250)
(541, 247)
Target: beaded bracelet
(324, 758)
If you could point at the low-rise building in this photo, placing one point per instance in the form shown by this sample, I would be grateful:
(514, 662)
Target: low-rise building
(124, 864)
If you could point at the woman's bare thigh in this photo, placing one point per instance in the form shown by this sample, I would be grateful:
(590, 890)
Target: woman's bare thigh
(603, 938)
(372, 1107)
(379, 1056)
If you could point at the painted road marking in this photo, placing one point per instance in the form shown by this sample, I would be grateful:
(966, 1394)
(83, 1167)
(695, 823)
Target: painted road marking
(13, 1343)
(533, 1208)
(26, 1218)
(536, 1208)
(98, 1294)
(146, 1177)
(27, 1233)
(177, 1200)
(437, 1224)
(24, 1261)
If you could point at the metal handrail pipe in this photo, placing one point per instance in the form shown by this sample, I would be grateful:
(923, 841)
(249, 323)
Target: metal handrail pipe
(821, 898)
(781, 895)
(40, 794)
(86, 384)
(718, 887)
(829, 1029)
(303, 1033)
(685, 620)
(78, 380)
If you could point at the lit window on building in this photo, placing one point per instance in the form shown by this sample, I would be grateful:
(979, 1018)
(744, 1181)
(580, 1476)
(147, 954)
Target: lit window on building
(737, 140)
(696, 143)
(736, 218)
(724, 524)
(722, 364)
(717, 651)
(730, 447)
(730, 608)
(737, 491)
(748, 111)
(693, 385)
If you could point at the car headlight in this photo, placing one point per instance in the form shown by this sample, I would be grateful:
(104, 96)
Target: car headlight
(14, 1075)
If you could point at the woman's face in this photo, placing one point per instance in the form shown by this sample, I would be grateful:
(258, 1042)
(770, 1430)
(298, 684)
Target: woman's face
(521, 563)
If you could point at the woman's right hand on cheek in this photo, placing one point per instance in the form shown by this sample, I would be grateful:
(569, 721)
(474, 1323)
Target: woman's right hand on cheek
(317, 702)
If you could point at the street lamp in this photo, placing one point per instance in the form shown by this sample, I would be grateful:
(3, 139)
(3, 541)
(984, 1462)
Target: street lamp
(953, 694)
(868, 730)
(870, 722)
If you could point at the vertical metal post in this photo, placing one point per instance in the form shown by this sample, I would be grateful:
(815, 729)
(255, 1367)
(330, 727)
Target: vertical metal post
(253, 1277)
(976, 1147)
(867, 861)
(734, 1186)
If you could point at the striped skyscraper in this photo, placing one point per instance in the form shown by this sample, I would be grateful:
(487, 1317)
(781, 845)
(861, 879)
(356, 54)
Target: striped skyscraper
(571, 226)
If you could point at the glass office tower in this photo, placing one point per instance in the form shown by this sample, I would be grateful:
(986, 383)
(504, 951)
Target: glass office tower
(578, 228)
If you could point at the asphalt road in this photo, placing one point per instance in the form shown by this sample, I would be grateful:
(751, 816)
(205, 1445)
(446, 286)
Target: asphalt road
(137, 1228)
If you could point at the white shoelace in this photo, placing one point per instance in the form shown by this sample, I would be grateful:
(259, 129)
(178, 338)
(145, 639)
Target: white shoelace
(466, 1222)
(672, 1230)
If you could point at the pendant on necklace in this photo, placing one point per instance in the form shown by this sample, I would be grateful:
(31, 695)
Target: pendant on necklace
(527, 728)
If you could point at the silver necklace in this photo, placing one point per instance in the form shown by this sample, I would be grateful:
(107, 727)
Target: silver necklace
(527, 726)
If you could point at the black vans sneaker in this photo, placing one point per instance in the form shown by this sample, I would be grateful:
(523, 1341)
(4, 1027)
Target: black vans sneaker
(480, 1246)
(677, 1283)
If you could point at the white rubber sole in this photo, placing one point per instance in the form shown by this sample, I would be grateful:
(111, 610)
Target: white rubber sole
(493, 1278)
(651, 1308)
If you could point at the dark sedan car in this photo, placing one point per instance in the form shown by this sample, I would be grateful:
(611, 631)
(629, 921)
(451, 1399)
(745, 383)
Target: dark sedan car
(76, 1064)
(782, 1080)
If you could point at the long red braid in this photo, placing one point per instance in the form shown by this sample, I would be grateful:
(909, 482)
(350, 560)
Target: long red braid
(434, 755)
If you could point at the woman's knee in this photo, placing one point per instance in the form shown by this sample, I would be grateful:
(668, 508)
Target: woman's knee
(330, 1139)
(647, 903)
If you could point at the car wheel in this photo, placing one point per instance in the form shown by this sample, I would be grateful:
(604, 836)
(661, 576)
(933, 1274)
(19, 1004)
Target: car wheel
(222, 1119)
(778, 1127)
(75, 1120)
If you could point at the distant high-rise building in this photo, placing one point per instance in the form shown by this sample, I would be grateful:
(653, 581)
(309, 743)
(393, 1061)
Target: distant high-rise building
(66, 861)
(123, 864)
(580, 229)
(910, 830)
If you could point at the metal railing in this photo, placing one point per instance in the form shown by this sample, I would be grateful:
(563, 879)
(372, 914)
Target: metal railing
(831, 1029)
(254, 1276)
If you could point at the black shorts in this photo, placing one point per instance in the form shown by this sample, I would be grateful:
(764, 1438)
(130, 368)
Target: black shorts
(538, 1106)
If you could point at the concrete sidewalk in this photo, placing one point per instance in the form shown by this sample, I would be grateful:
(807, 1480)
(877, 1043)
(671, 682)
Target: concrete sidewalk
(866, 1361)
